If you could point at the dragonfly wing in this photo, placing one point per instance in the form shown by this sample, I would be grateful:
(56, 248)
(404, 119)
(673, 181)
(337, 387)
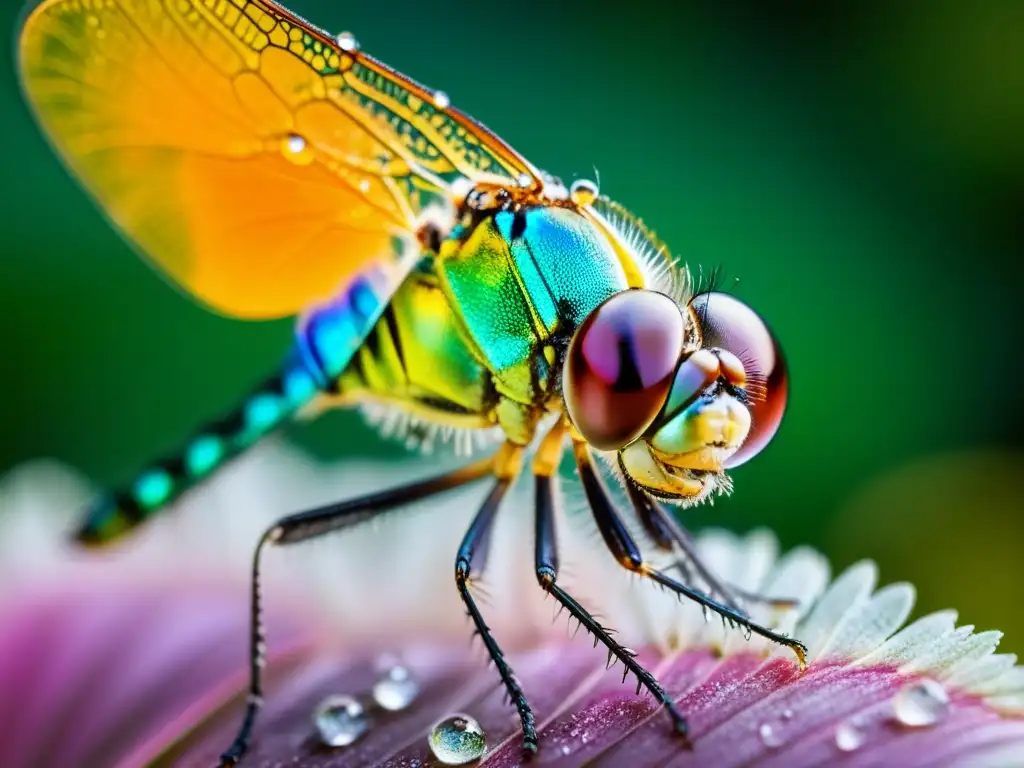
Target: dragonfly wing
(254, 161)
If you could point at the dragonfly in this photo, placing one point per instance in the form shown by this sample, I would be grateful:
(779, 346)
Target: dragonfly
(270, 170)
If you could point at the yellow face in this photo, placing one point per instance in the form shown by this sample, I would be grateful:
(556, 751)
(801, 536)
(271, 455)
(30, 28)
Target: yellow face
(681, 393)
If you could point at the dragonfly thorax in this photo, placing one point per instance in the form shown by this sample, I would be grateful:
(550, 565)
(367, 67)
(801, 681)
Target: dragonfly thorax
(521, 280)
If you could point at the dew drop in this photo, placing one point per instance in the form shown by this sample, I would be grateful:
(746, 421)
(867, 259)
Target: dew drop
(583, 192)
(457, 740)
(787, 714)
(770, 736)
(364, 185)
(920, 703)
(296, 149)
(524, 180)
(347, 42)
(395, 689)
(849, 737)
(441, 100)
(340, 720)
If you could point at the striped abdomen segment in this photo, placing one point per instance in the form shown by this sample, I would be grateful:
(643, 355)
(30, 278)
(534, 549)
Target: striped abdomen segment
(325, 341)
(271, 404)
(416, 358)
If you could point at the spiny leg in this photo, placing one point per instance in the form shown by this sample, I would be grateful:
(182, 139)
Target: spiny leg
(311, 524)
(654, 525)
(669, 536)
(471, 561)
(622, 546)
(546, 562)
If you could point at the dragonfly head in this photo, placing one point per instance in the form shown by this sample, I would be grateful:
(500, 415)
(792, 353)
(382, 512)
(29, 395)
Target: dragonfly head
(680, 393)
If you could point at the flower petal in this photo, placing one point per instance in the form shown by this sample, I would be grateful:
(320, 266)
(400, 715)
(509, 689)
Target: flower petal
(98, 667)
(742, 710)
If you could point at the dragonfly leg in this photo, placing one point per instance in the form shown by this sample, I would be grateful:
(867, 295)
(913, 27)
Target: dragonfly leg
(471, 561)
(663, 537)
(625, 550)
(669, 536)
(546, 563)
(311, 524)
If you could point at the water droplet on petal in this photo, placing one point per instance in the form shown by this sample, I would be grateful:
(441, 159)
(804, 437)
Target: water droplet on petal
(787, 714)
(770, 736)
(347, 42)
(395, 689)
(441, 100)
(920, 703)
(457, 740)
(583, 192)
(849, 737)
(340, 720)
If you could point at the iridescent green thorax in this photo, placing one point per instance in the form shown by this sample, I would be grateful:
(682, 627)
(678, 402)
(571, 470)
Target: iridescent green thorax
(483, 324)
(415, 358)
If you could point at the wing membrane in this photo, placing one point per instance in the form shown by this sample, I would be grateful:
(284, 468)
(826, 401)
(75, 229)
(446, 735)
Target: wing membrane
(253, 160)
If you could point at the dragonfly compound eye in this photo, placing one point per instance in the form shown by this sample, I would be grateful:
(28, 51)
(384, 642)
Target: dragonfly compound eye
(619, 367)
(729, 325)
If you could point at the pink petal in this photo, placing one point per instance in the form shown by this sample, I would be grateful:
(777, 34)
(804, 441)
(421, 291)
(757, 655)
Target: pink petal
(585, 714)
(97, 668)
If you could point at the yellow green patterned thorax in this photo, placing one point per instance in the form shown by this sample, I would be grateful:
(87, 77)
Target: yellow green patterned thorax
(477, 334)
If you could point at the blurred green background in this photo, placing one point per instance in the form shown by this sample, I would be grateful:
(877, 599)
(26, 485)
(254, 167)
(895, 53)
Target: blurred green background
(859, 169)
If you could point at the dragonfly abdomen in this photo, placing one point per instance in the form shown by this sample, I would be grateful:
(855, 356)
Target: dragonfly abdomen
(267, 407)
(326, 339)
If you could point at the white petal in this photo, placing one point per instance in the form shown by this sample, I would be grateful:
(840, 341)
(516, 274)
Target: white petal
(933, 657)
(1007, 703)
(965, 654)
(802, 575)
(906, 644)
(866, 626)
(1011, 682)
(977, 672)
(849, 591)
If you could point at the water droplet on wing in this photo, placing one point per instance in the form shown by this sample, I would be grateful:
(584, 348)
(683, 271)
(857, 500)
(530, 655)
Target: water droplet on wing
(441, 100)
(395, 689)
(920, 703)
(340, 720)
(347, 42)
(457, 740)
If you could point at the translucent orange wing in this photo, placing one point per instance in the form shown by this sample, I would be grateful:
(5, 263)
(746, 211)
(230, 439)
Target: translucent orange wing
(255, 159)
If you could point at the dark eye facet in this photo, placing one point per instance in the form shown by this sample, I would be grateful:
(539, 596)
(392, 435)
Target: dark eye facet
(619, 366)
(729, 324)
